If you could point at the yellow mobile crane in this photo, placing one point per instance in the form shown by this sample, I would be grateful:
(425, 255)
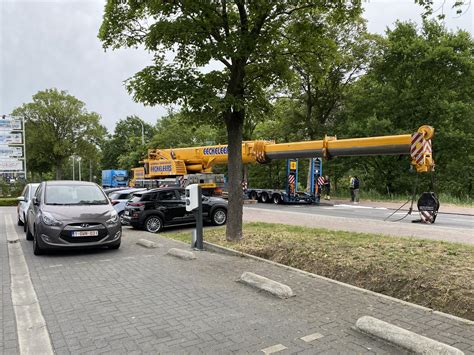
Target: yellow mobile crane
(183, 166)
(165, 163)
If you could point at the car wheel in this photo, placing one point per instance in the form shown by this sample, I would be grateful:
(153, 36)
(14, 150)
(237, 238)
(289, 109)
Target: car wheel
(219, 217)
(276, 199)
(153, 224)
(121, 217)
(19, 222)
(29, 236)
(264, 197)
(24, 224)
(37, 250)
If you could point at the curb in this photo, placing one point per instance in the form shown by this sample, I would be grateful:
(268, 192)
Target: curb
(223, 250)
(263, 283)
(147, 243)
(182, 254)
(403, 338)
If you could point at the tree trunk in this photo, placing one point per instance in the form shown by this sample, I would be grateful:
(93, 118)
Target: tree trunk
(234, 123)
(59, 172)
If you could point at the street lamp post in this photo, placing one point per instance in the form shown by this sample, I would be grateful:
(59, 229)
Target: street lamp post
(73, 172)
(143, 132)
(79, 160)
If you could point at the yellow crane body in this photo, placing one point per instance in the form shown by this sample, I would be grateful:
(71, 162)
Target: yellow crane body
(162, 163)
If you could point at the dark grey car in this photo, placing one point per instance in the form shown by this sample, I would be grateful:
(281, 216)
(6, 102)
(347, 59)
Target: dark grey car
(72, 214)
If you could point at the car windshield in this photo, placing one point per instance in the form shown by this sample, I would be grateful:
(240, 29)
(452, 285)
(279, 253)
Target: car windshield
(74, 195)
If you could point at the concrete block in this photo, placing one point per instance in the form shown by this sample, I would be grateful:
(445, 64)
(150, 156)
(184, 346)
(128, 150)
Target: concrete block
(182, 254)
(147, 243)
(276, 288)
(403, 338)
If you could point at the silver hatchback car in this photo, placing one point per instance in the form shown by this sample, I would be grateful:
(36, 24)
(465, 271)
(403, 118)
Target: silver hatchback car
(72, 214)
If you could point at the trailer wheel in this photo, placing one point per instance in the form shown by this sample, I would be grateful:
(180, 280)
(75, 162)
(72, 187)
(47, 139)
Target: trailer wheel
(253, 195)
(277, 199)
(264, 197)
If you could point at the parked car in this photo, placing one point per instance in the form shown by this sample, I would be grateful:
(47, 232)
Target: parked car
(24, 202)
(120, 197)
(72, 214)
(110, 190)
(154, 209)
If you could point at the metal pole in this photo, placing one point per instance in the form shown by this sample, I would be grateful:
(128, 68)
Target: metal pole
(198, 215)
(73, 173)
(90, 170)
(79, 159)
(24, 145)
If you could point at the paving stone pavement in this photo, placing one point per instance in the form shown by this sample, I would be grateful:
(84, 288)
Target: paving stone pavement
(138, 300)
(8, 336)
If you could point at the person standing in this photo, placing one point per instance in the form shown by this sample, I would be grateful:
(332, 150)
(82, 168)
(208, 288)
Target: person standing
(327, 188)
(354, 187)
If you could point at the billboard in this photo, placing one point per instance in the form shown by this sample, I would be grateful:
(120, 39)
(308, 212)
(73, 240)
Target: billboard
(11, 138)
(10, 124)
(11, 165)
(11, 152)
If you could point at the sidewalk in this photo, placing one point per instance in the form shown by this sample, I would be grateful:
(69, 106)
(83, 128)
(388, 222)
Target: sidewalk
(139, 300)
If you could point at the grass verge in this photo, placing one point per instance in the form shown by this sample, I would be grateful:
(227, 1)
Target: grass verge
(433, 274)
(8, 201)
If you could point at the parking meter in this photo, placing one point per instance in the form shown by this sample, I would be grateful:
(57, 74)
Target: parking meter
(193, 195)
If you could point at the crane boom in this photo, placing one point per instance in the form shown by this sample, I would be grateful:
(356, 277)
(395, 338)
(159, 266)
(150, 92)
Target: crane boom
(181, 161)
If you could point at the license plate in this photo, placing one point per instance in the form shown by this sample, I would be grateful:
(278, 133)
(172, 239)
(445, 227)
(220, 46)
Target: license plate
(85, 233)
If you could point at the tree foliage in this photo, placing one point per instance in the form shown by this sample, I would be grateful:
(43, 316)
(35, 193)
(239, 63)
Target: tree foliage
(57, 127)
(246, 38)
(422, 76)
(124, 149)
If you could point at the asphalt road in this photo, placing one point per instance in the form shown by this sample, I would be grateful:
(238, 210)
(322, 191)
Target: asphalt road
(373, 213)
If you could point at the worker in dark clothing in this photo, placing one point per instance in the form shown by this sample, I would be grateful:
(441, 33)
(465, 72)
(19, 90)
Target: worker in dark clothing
(354, 187)
(327, 188)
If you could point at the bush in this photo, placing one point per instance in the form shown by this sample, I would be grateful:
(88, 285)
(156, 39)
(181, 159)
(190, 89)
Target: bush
(10, 201)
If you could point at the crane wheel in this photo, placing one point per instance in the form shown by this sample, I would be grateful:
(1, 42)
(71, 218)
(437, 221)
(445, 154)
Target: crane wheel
(253, 195)
(264, 197)
(277, 199)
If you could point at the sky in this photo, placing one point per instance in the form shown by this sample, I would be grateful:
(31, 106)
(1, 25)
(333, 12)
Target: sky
(46, 44)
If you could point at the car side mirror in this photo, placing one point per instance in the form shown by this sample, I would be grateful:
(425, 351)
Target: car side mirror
(20, 198)
(35, 201)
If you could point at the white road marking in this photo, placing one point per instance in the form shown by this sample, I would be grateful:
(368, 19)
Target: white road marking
(80, 262)
(32, 331)
(129, 257)
(57, 265)
(274, 349)
(354, 206)
(312, 337)
(105, 260)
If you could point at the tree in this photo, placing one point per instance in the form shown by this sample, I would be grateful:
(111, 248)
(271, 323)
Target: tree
(422, 76)
(246, 38)
(176, 130)
(57, 127)
(124, 149)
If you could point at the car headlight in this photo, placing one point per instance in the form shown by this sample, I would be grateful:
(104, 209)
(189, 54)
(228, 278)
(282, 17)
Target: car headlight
(113, 220)
(49, 220)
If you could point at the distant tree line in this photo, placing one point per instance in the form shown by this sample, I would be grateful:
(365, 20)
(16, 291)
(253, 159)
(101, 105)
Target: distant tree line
(340, 81)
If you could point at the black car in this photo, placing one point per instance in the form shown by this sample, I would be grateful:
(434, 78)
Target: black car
(153, 209)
